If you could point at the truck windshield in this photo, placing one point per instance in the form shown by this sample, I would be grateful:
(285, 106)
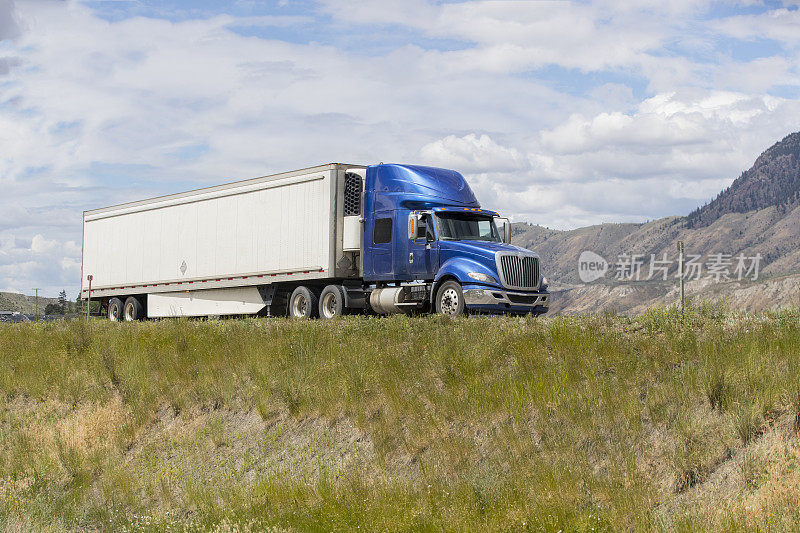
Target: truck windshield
(466, 226)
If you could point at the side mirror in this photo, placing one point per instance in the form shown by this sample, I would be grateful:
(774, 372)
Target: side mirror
(413, 222)
(504, 226)
(418, 227)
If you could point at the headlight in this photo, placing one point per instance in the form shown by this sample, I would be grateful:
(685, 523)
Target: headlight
(543, 284)
(480, 276)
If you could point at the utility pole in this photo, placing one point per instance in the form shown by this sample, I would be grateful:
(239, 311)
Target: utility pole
(89, 297)
(36, 305)
(680, 271)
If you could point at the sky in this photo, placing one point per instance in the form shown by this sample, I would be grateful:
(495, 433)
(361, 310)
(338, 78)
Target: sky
(563, 114)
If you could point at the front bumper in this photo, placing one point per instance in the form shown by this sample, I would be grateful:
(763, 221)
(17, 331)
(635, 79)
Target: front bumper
(503, 301)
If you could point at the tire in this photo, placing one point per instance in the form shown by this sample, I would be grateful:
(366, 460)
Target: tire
(450, 299)
(115, 310)
(331, 302)
(133, 310)
(303, 303)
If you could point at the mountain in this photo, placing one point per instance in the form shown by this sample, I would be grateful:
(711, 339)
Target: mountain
(759, 214)
(768, 232)
(21, 303)
(774, 180)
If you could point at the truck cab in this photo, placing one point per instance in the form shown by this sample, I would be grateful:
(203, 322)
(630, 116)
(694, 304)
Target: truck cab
(428, 243)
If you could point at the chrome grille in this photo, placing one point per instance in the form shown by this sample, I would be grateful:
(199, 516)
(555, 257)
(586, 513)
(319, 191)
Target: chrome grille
(519, 271)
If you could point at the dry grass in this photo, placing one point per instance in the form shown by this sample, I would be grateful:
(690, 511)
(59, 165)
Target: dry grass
(500, 423)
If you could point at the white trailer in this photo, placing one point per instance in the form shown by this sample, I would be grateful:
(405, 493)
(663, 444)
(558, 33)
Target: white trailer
(225, 250)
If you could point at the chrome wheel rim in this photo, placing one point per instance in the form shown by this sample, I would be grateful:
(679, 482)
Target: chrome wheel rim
(113, 313)
(329, 305)
(299, 306)
(129, 313)
(449, 302)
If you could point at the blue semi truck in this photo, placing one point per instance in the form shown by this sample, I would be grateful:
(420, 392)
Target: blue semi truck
(316, 242)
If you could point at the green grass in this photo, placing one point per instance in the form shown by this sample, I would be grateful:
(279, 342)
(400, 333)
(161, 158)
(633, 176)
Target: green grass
(595, 423)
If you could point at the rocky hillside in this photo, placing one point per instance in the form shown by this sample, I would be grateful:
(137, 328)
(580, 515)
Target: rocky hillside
(22, 303)
(768, 232)
(758, 214)
(769, 293)
(774, 180)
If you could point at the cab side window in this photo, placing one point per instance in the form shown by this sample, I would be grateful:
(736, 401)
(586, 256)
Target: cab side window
(383, 231)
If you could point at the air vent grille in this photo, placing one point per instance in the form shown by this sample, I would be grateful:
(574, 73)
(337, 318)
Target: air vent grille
(352, 194)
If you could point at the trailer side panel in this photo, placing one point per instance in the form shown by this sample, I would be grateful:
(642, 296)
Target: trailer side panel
(246, 233)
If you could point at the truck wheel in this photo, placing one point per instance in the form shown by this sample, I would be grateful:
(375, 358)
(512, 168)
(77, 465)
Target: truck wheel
(450, 299)
(303, 303)
(331, 302)
(115, 309)
(133, 310)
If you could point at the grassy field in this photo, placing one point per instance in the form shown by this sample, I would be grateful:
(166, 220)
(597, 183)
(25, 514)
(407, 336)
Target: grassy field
(569, 423)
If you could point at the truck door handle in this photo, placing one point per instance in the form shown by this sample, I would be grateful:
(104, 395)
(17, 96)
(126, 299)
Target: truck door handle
(411, 257)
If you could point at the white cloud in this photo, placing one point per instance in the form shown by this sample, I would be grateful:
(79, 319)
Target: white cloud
(580, 134)
(601, 168)
(407, 12)
(779, 24)
(473, 154)
(758, 75)
(667, 123)
(515, 36)
(9, 24)
(48, 264)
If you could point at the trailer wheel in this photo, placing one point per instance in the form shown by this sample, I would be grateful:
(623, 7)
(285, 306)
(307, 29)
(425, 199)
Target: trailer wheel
(331, 302)
(450, 299)
(303, 303)
(133, 309)
(115, 309)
